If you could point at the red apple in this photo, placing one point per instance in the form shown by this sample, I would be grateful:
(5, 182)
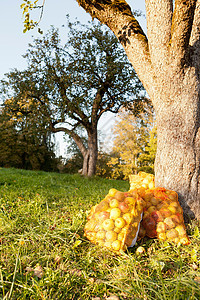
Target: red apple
(103, 215)
(119, 196)
(124, 207)
(150, 227)
(156, 215)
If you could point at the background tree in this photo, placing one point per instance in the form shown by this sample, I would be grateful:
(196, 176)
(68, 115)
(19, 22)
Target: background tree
(133, 141)
(25, 142)
(76, 83)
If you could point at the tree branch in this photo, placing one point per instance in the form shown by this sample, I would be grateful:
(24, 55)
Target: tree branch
(159, 21)
(195, 39)
(74, 135)
(182, 22)
(117, 15)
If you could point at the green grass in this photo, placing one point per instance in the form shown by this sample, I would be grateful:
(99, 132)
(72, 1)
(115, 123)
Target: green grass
(42, 216)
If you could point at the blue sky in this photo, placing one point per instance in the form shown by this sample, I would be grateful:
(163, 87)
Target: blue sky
(14, 42)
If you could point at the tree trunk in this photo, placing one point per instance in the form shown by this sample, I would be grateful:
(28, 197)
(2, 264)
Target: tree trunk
(85, 163)
(177, 164)
(93, 153)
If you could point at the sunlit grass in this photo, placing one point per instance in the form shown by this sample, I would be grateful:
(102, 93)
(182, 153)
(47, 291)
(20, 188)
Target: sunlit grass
(44, 254)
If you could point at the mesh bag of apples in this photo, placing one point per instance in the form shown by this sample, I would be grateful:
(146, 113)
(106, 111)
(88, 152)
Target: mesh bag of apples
(123, 217)
(114, 222)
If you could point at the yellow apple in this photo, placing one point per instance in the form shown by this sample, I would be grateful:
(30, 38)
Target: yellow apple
(184, 241)
(115, 213)
(130, 200)
(111, 236)
(117, 230)
(114, 203)
(100, 235)
(120, 223)
(90, 225)
(161, 227)
(154, 201)
(151, 209)
(127, 217)
(108, 245)
(100, 243)
(91, 236)
(172, 209)
(108, 224)
(148, 196)
(169, 222)
(172, 234)
(116, 245)
(162, 236)
(120, 236)
(112, 192)
(181, 230)
(140, 250)
(151, 185)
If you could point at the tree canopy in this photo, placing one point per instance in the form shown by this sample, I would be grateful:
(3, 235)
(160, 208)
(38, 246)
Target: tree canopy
(72, 85)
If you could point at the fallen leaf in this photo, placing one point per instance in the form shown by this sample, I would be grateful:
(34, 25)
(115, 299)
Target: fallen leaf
(57, 259)
(38, 271)
(113, 297)
(197, 279)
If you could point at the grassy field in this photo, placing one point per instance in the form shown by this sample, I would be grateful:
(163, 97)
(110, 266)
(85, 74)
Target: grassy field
(44, 254)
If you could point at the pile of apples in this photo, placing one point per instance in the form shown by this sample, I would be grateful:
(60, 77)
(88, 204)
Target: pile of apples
(114, 222)
(163, 215)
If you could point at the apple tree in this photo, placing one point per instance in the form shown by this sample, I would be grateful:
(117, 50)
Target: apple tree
(76, 83)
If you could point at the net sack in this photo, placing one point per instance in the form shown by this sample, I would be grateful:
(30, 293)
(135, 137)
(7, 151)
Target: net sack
(114, 222)
(163, 217)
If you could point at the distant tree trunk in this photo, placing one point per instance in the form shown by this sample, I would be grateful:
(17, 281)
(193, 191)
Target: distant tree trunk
(85, 163)
(93, 153)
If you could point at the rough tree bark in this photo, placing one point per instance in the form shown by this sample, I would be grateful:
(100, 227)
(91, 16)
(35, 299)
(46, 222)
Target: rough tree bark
(167, 62)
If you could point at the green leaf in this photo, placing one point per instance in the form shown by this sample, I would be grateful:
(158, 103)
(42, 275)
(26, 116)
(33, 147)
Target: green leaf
(22, 5)
(196, 232)
(77, 243)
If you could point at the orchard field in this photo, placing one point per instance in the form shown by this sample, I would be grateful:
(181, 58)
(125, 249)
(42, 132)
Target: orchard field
(44, 254)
